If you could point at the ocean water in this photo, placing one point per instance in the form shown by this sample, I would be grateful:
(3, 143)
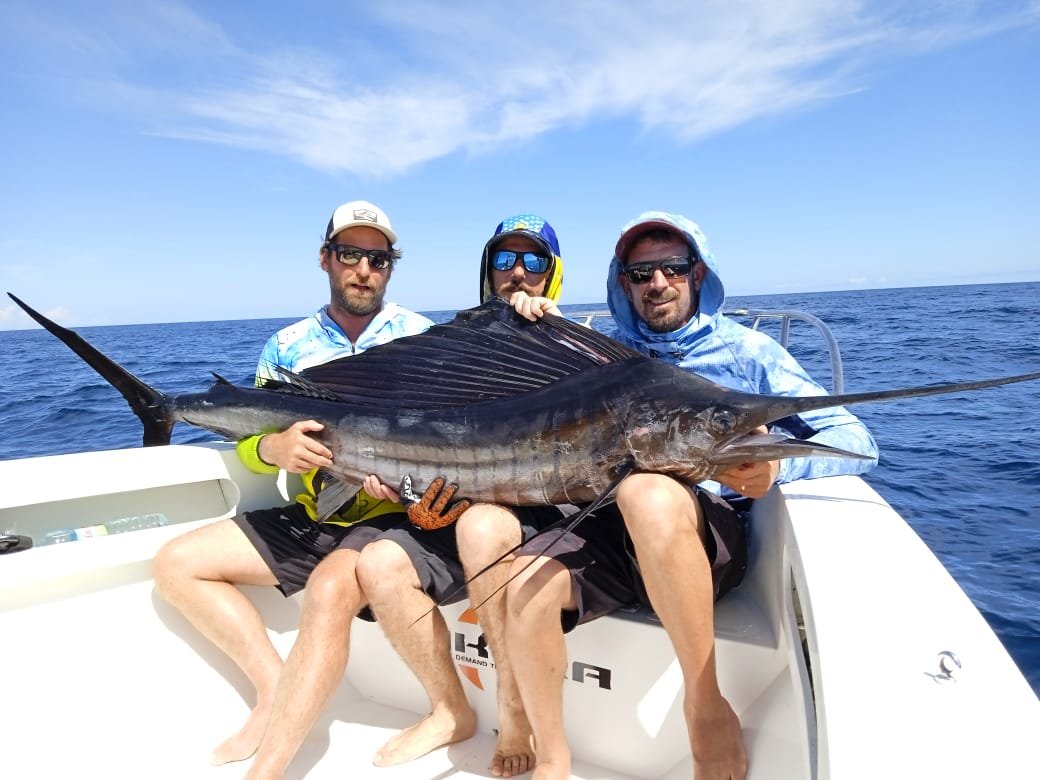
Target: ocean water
(963, 470)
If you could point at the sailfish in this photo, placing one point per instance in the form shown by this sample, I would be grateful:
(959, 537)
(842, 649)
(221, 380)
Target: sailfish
(515, 412)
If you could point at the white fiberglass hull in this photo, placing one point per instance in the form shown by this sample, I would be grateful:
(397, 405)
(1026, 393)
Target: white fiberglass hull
(102, 678)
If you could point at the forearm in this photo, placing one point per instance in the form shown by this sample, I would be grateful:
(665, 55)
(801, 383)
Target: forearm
(853, 437)
(248, 450)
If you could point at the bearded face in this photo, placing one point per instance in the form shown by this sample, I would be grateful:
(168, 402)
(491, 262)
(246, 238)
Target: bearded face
(663, 302)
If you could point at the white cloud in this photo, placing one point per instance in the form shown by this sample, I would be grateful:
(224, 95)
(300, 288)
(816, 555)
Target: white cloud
(419, 80)
(13, 318)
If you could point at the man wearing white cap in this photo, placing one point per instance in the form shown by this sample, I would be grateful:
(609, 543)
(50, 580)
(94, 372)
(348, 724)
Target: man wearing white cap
(289, 547)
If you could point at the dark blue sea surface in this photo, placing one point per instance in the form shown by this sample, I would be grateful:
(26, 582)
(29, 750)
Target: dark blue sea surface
(963, 470)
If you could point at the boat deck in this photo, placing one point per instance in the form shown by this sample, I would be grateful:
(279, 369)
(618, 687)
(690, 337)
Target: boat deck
(103, 678)
(149, 692)
(81, 620)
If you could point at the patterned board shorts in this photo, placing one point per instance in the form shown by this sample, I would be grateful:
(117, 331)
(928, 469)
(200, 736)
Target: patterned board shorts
(605, 574)
(292, 545)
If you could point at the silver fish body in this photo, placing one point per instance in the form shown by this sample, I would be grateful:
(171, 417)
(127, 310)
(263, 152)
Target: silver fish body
(514, 412)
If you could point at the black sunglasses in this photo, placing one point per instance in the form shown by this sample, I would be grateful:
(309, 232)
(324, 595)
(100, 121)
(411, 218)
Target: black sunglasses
(671, 267)
(505, 260)
(378, 259)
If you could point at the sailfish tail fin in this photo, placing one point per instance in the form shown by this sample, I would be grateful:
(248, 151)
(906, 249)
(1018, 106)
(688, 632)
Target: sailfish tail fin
(149, 404)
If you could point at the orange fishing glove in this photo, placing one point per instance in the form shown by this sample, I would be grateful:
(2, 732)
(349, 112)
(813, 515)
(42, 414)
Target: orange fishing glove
(431, 511)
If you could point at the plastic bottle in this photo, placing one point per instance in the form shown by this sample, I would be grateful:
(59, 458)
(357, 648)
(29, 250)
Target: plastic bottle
(136, 523)
(118, 526)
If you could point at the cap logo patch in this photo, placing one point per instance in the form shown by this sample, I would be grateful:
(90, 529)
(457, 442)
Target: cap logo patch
(366, 215)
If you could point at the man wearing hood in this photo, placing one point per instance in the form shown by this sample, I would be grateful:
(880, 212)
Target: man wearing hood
(522, 256)
(670, 546)
(520, 263)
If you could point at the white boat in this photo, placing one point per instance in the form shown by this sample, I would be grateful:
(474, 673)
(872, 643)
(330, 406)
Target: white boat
(847, 652)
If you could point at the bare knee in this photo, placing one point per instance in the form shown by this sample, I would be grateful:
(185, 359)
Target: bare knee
(171, 566)
(383, 569)
(219, 552)
(657, 507)
(333, 585)
(538, 586)
(484, 532)
(186, 559)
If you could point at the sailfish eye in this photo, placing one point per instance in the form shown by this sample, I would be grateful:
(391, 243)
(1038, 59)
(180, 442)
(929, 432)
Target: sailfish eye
(723, 422)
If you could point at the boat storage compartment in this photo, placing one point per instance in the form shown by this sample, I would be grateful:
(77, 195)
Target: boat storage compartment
(180, 482)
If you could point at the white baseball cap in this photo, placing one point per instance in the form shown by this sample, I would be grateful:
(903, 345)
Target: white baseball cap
(359, 213)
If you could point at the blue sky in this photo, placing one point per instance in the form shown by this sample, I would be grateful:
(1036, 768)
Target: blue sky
(175, 161)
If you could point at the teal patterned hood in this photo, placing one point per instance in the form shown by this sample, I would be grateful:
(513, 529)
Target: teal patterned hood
(722, 350)
(631, 329)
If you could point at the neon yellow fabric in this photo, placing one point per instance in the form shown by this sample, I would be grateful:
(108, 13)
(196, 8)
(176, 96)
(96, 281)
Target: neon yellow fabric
(248, 450)
(295, 347)
(363, 507)
(554, 283)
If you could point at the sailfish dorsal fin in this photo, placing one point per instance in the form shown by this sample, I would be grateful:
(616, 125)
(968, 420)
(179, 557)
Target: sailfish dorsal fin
(485, 353)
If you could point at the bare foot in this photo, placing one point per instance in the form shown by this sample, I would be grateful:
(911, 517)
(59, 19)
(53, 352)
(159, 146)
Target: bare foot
(433, 731)
(717, 746)
(514, 753)
(243, 744)
(547, 770)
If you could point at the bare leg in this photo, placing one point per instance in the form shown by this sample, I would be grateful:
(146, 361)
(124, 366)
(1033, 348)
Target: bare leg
(194, 573)
(315, 664)
(397, 599)
(534, 601)
(485, 532)
(665, 525)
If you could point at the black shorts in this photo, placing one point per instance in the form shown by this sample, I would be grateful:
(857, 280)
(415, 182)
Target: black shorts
(605, 572)
(533, 519)
(292, 545)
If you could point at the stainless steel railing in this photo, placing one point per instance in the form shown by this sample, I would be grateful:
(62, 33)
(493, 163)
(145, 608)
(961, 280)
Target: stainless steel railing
(757, 316)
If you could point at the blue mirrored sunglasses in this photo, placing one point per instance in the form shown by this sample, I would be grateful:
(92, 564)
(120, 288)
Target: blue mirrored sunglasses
(506, 259)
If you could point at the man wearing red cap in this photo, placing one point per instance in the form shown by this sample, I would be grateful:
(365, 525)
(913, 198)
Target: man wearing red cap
(667, 545)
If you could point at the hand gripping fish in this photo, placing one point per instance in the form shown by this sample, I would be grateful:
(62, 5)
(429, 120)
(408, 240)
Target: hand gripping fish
(517, 412)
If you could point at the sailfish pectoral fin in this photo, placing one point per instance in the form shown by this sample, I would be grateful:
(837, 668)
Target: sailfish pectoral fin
(333, 495)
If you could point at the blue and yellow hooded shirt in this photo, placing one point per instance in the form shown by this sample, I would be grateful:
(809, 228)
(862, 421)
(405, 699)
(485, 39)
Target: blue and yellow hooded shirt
(724, 351)
(534, 227)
